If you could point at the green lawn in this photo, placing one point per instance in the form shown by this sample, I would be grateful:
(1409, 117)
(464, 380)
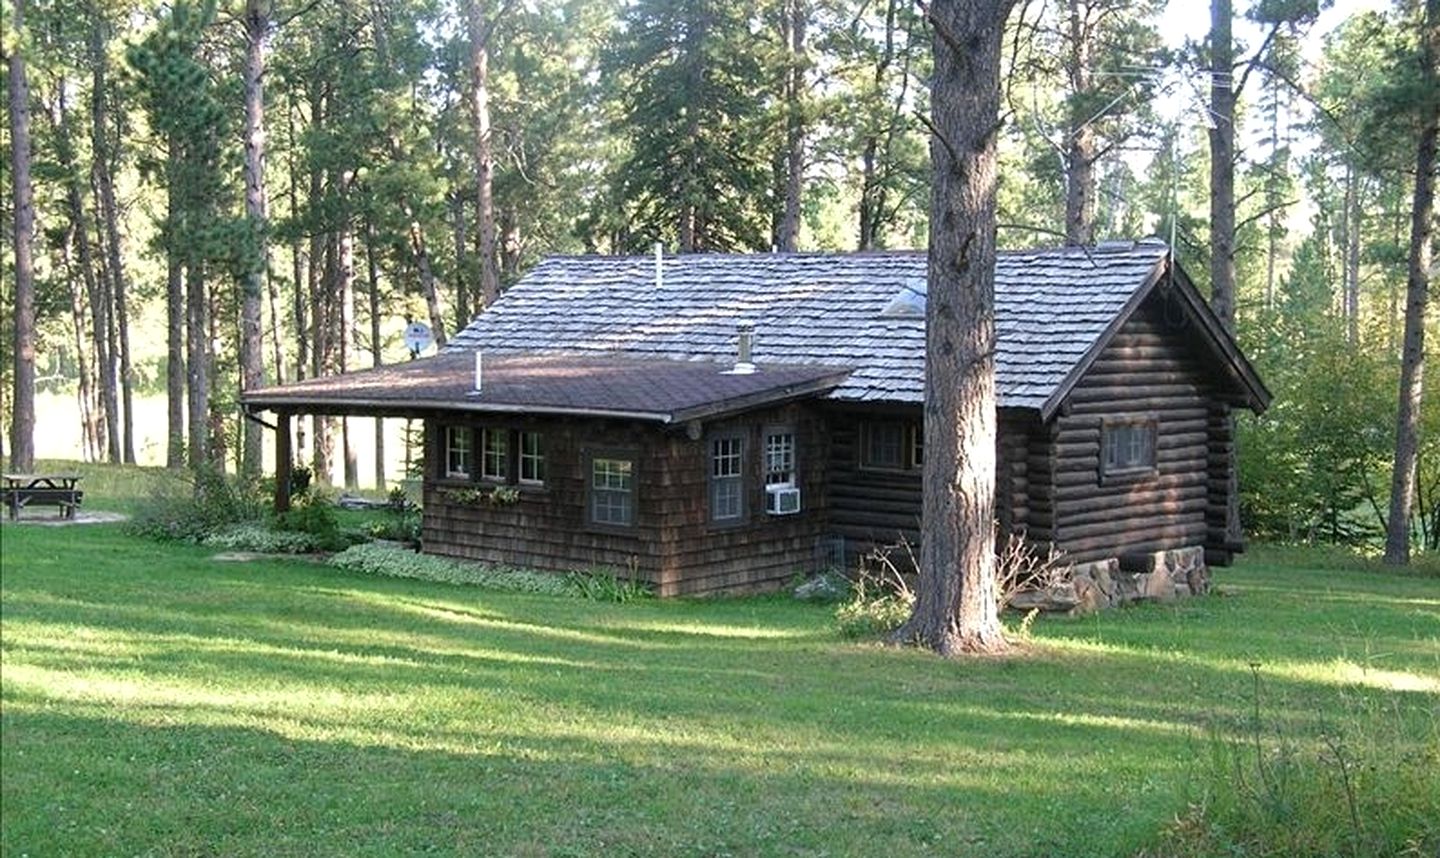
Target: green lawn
(156, 701)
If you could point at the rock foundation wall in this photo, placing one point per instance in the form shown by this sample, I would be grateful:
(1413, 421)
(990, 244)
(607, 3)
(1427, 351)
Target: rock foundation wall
(1161, 576)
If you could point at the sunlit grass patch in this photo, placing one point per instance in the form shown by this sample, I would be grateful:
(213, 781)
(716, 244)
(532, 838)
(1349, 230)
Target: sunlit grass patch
(154, 700)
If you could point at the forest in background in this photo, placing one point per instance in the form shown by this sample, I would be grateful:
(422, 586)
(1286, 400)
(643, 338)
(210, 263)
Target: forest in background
(248, 192)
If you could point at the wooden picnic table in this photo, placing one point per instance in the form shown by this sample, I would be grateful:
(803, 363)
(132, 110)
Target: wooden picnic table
(21, 490)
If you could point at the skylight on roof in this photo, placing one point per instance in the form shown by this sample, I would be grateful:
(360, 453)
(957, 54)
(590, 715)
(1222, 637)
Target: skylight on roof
(908, 302)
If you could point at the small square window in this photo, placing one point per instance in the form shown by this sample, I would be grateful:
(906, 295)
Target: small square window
(1127, 447)
(883, 445)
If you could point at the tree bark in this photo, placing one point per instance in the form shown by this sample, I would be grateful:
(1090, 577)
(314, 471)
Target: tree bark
(347, 339)
(457, 232)
(252, 345)
(1417, 295)
(197, 364)
(1222, 164)
(956, 608)
(1352, 256)
(789, 233)
(106, 427)
(175, 355)
(372, 268)
(104, 149)
(22, 426)
(428, 286)
(89, 425)
(1080, 139)
(480, 31)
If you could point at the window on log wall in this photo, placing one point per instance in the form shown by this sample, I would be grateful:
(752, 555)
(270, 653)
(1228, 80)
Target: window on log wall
(891, 445)
(532, 459)
(1127, 447)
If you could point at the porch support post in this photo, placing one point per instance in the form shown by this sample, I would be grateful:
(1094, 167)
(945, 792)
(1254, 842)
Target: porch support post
(284, 461)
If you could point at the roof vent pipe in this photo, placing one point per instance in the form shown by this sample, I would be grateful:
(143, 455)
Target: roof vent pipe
(479, 370)
(745, 344)
(659, 258)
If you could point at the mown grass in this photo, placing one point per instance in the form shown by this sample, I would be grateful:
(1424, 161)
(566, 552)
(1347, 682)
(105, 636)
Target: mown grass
(155, 700)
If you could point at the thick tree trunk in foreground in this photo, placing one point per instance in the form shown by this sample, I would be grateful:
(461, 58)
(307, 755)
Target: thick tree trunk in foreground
(480, 31)
(956, 608)
(1417, 295)
(22, 425)
(252, 345)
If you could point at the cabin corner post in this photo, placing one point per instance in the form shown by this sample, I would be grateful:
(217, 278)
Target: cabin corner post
(284, 461)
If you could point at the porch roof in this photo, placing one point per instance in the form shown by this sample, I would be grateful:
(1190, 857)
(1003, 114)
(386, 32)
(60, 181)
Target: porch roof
(594, 385)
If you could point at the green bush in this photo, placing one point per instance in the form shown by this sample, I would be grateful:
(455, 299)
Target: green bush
(315, 517)
(606, 586)
(252, 536)
(872, 615)
(395, 562)
(196, 504)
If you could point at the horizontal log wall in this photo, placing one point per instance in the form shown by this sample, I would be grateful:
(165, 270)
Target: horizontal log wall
(1150, 370)
(672, 545)
(870, 507)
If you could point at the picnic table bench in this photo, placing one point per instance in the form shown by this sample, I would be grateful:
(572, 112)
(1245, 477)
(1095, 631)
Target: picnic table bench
(22, 490)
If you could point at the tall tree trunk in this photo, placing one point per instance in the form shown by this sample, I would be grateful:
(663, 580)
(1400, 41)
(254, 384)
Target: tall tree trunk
(789, 232)
(104, 149)
(197, 364)
(480, 31)
(322, 315)
(97, 298)
(1080, 136)
(346, 271)
(509, 249)
(175, 355)
(297, 273)
(22, 426)
(372, 268)
(956, 607)
(1417, 296)
(428, 286)
(1352, 256)
(872, 197)
(79, 301)
(457, 230)
(1222, 163)
(1222, 215)
(252, 346)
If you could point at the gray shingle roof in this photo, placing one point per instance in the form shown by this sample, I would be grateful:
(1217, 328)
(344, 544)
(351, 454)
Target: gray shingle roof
(816, 308)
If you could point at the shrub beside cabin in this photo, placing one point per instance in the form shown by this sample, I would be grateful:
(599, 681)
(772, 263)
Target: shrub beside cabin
(722, 422)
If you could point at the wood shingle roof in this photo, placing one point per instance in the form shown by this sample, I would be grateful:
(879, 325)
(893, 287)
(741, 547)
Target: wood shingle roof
(1052, 306)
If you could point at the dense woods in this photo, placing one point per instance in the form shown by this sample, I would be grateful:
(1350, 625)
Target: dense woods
(228, 193)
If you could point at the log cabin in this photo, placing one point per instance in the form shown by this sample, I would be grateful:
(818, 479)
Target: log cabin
(722, 422)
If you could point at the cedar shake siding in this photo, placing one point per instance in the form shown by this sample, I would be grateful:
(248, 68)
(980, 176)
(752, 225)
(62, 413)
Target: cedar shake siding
(672, 544)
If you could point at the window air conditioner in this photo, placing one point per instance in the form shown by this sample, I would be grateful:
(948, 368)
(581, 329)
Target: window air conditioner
(782, 500)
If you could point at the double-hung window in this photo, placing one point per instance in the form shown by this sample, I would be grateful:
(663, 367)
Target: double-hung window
(727, 479)
(495, 454)
(458, 451)
(532, 459)
(612, 491)
(780, 458)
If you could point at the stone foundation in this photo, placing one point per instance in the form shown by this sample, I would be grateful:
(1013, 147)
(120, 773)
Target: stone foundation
(1158, 577)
